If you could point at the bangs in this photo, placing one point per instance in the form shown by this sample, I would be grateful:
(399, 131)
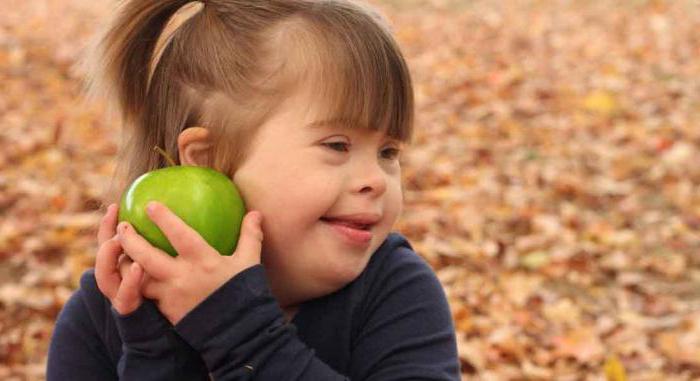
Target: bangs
(356, 71)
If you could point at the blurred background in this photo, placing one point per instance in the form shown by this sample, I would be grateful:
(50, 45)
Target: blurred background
(552, 184)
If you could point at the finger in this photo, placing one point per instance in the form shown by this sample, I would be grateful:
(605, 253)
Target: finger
(106, 272)
(250, 241)
(123, 264)
(108, 224)
(185, 240)
(129, 295)
(152, 289)
(153, 260)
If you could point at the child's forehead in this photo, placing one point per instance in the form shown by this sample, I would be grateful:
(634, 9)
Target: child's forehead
(320, 105)
(318, 113)
(336, 122)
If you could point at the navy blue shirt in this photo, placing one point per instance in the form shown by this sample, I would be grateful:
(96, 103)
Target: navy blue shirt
(391, 323)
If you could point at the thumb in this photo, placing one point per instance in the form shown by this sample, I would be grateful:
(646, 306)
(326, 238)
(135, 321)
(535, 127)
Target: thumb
(250, 242)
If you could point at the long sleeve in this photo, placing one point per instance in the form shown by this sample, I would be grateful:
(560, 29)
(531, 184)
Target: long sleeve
(151, 350)
(241, 333)
(76, 351)
(147, 348)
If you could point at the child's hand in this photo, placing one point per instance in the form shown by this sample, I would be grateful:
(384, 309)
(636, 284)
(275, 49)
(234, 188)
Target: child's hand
(179, 284)
(122, 288)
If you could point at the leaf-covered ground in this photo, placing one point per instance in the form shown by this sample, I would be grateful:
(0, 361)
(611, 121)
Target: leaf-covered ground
(553, 182)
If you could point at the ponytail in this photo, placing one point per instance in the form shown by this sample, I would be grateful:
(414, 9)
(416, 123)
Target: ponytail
(120, 67)
(126, 52)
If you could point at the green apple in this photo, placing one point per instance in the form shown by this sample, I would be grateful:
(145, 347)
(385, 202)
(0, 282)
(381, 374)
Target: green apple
(202, 197)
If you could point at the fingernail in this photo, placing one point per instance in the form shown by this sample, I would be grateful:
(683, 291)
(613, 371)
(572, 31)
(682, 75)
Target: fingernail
(123, 227)
(151, 207)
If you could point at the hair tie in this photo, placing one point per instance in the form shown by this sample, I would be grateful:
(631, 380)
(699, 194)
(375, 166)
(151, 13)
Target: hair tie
(182, 15)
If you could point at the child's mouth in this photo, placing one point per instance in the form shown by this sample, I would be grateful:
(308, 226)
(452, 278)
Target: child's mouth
(354, 233)
(351, 224)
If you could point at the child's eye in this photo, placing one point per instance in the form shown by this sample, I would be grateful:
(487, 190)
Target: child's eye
(391, 153)
(338, 146)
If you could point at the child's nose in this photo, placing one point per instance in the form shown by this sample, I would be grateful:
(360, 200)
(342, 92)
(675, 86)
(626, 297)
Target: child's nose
(370, 180)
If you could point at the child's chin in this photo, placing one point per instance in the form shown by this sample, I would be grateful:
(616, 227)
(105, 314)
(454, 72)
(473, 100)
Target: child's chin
(340, 271)
(339, 281)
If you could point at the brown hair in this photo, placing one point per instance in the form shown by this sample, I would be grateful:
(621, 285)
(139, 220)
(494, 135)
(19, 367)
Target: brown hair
(226, 65)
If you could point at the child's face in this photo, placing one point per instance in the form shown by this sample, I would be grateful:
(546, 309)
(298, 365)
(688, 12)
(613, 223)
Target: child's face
(297, 180)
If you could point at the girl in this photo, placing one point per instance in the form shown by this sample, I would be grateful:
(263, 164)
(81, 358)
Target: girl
(306, 105)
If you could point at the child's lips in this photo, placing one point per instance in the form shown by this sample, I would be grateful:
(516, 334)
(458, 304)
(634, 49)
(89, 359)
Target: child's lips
(362, 221)
(356, 235)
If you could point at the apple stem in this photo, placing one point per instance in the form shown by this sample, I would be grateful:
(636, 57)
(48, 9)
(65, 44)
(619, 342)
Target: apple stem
(165, 155)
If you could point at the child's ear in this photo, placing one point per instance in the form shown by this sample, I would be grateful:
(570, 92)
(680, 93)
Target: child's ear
(193, 146)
